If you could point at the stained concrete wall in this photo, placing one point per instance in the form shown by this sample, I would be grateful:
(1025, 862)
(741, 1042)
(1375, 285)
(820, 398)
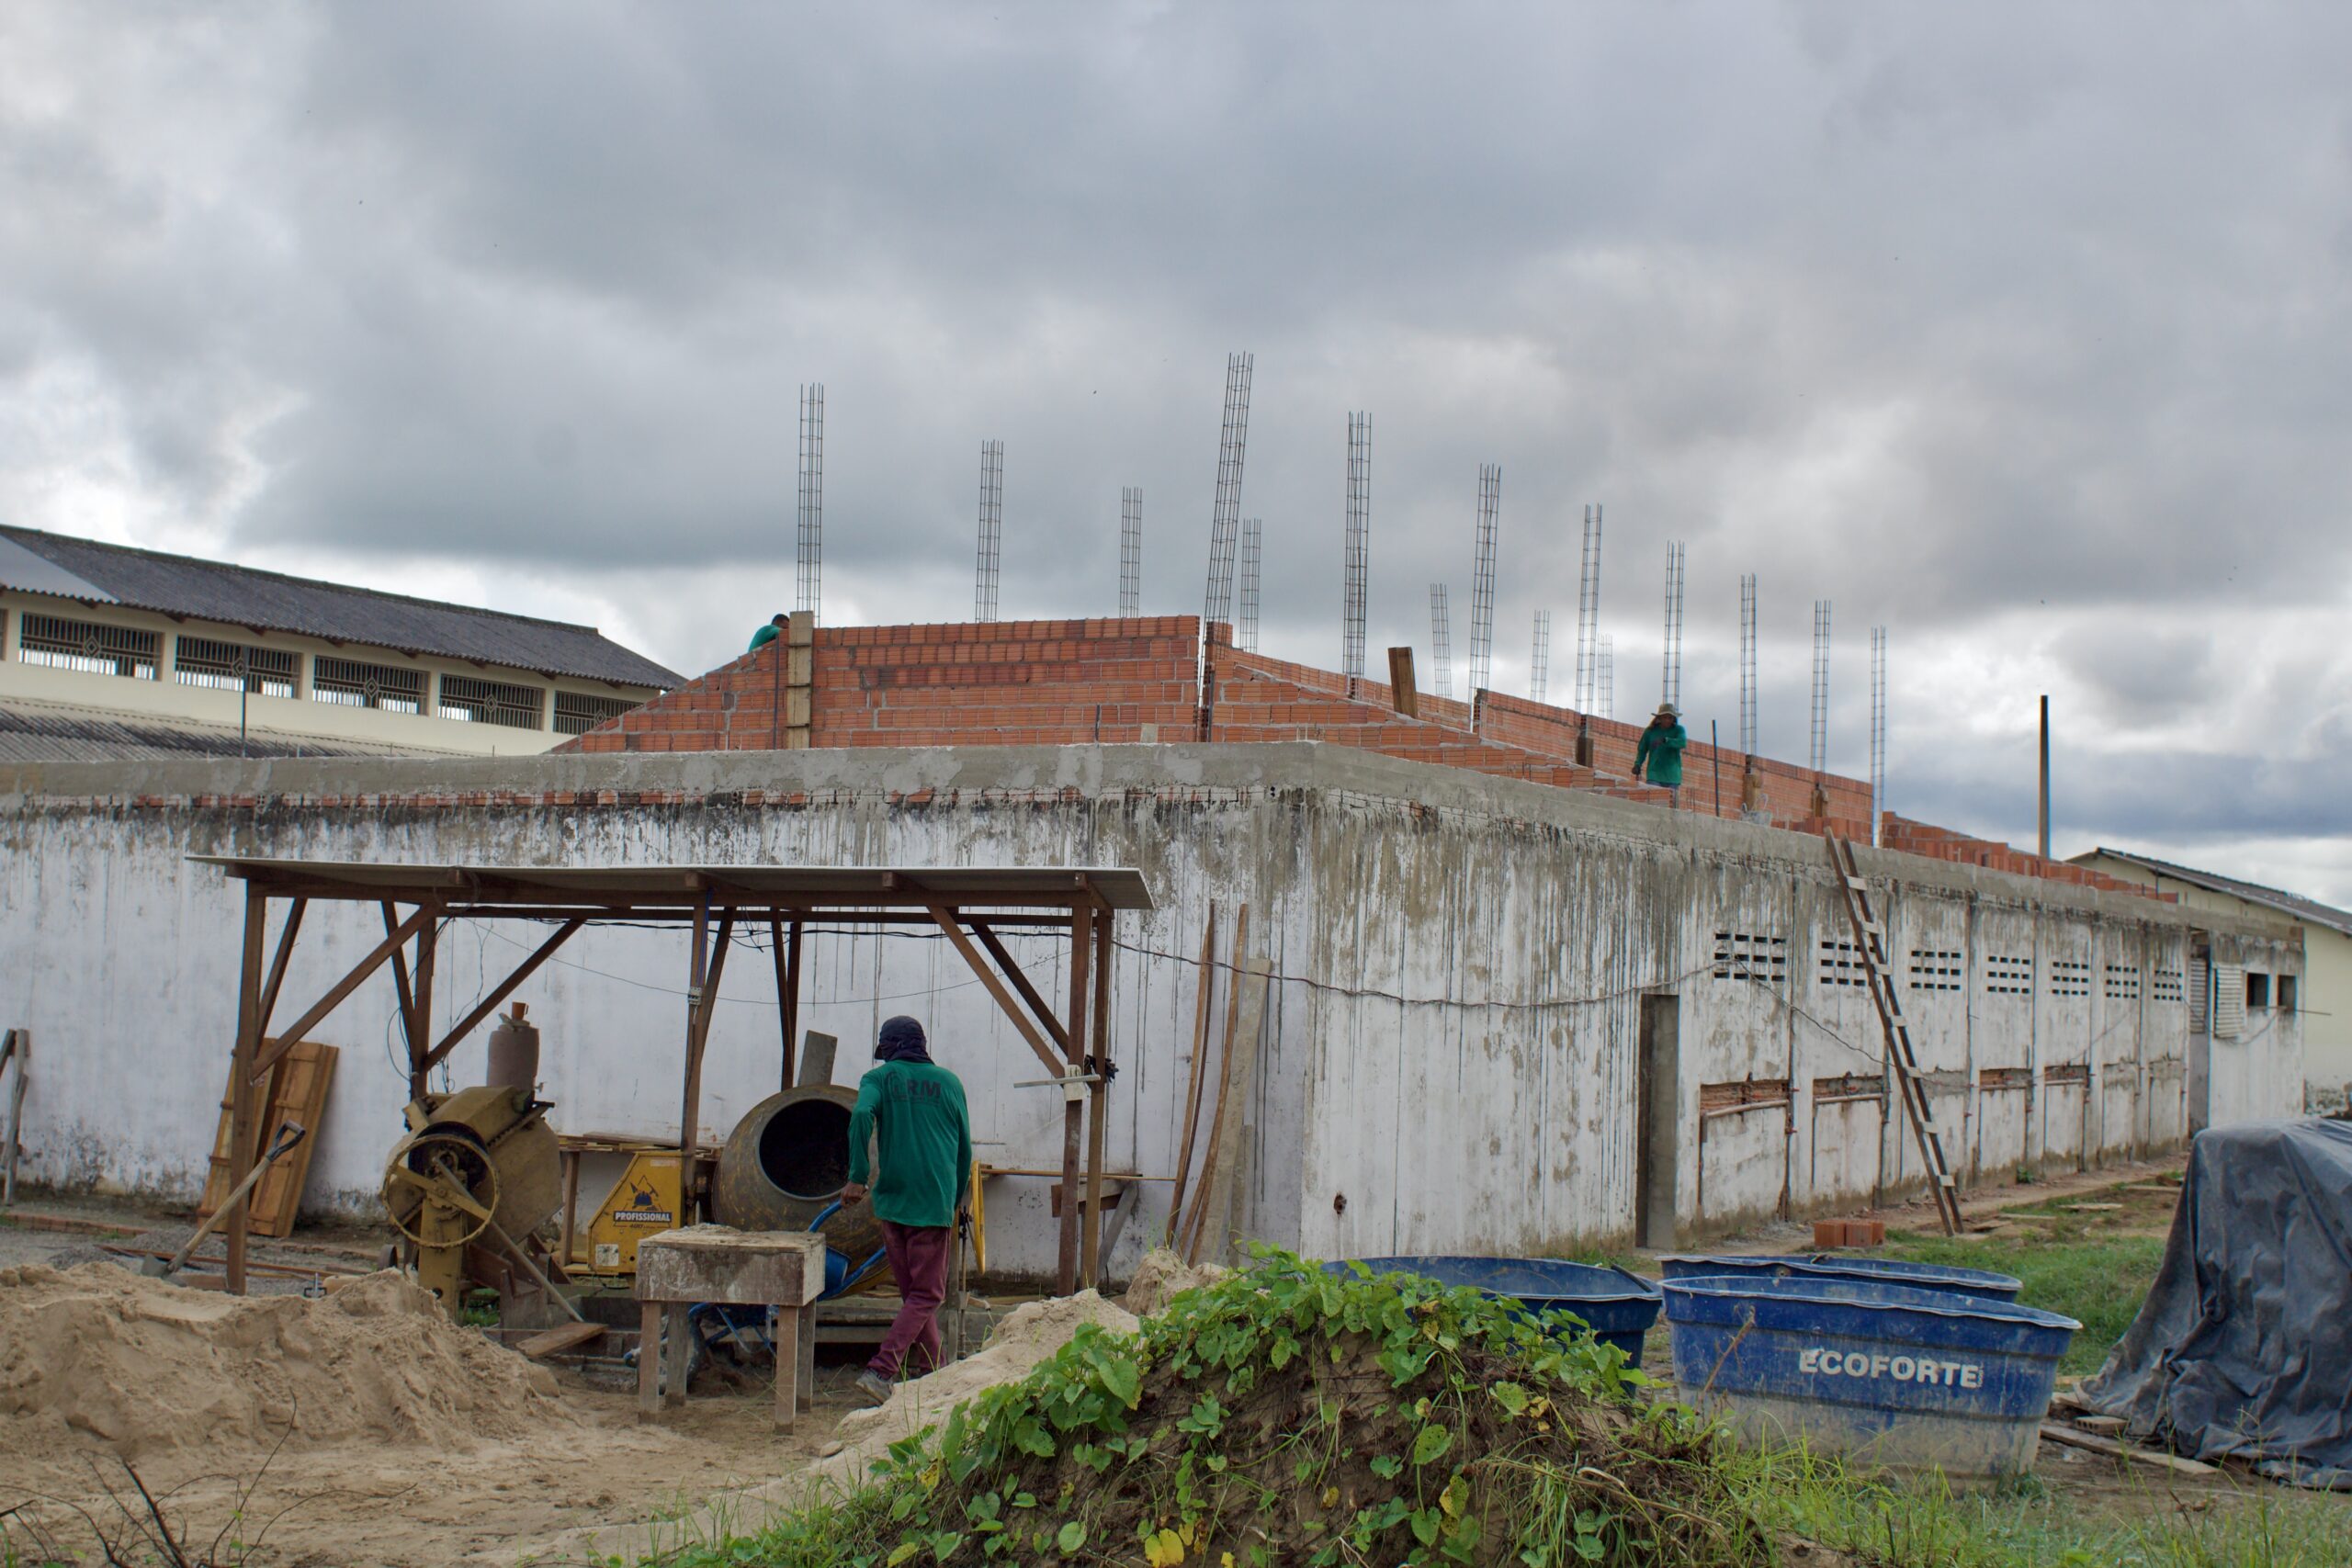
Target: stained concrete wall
(1450, 1057)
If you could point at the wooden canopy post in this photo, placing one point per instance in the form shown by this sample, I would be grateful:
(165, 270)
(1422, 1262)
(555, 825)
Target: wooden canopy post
(709, 966)
(506, 988)
(1081, 949)
(787, 948)
(428, 949)
(1098, 1099)
(241, 1109)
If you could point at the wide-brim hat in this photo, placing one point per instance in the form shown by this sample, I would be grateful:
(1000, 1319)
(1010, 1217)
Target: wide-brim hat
(1668, 710)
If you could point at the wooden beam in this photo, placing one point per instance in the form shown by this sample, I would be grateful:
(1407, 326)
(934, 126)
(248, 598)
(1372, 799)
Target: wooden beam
(1098, 1098)
(1200, 1060)
(1037, 1004)
(242, 1112)
(506, 989)
(709, 966)
(344, 987)
(428, 948)
(786, 952)
(277, 966)
(406, 996)
(1081, 951)
(951, 922)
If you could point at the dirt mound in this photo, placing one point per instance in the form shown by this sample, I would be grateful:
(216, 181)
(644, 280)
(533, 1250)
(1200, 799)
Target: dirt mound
(98, 1356)
(1026, 1337)
(1285, 1413)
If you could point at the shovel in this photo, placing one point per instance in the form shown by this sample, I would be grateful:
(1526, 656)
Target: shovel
(288, 1134)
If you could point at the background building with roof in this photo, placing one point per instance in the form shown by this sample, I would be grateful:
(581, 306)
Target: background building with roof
(107, 651)
(2324, 995)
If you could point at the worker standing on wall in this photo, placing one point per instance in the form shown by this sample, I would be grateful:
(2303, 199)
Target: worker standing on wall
(1660, 752)
(912, 1110)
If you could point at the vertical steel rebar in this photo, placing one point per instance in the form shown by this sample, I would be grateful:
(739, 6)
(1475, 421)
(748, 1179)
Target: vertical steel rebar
(984, 589)
(1130, 552)
(1225, 521)
(1588, 610)
(811, 583)
(1539, 667)
(1820, 753)
(1878, 729)
(1252, 535)
(1441, 641)
(1604, 699)
(1482, 580)
(1748, 663)
(1670, 669)
(1356, 588)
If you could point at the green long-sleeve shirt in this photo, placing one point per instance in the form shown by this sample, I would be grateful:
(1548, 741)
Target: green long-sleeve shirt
(1661, 749)
(922, 1136)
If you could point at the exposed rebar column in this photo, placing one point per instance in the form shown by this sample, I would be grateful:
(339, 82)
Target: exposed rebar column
(1747, 664)
(811, 584)
(1225, 521)
(991, 530)
(1252, 533)
(1441, 641)
(2042, 791)
(1587, 609)
(1819, 756)
(1130, 552)
(1670, 672)
(1539, 665)
(1605, 675)
(1356, 591)
(1878, 730)
(1482, 580)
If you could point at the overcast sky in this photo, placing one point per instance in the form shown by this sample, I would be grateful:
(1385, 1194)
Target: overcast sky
(2018, 330)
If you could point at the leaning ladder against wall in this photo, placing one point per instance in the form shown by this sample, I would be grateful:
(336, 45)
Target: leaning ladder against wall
(1870, 942)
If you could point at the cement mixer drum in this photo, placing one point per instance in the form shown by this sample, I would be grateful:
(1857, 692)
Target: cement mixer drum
(786, 1161)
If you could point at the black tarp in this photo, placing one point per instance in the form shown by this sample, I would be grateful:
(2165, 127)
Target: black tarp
(2244, 1347)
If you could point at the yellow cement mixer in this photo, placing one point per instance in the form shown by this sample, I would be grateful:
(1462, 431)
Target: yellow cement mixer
(478, 1167)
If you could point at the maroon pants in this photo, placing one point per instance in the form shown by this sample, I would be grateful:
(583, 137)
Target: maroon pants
(919, 1255)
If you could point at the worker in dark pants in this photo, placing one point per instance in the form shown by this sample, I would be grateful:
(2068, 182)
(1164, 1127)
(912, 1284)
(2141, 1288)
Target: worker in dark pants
(912, 1110)
(1660, 753)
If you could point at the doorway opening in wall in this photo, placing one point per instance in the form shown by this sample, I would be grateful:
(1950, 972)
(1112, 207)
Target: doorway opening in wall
(1657, 1123)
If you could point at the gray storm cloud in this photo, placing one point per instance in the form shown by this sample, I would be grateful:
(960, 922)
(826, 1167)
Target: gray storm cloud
(2021, 334)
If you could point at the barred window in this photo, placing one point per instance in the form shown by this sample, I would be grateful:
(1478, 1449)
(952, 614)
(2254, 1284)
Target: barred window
(577, 713)
(354, 684)
(91, 646)
(490, 702)
(227, 666)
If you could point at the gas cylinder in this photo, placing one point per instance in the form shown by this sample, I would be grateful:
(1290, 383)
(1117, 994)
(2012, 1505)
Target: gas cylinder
(515, 1053)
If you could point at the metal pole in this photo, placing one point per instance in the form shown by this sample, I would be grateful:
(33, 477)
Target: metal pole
(2042, 796)
(691, 1090)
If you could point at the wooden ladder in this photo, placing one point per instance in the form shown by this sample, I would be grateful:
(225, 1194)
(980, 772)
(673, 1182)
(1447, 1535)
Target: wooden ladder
(1869, 943)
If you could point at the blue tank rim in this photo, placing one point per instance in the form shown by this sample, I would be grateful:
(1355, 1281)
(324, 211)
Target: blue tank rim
(1689, 1265)
(1631, 1287)
(1818, 1292)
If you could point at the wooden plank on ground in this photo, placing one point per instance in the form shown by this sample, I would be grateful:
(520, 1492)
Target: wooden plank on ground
(2055, 1432)
(557, 1340)
(298, 1093)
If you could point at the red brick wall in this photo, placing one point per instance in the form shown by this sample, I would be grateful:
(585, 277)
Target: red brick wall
(1942, 843)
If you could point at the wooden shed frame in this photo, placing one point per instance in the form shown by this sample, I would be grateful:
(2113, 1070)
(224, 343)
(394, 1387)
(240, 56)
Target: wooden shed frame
(969, 905)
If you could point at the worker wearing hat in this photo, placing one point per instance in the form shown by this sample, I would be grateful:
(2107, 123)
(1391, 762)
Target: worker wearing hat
(913, 1110)
(1658, 759)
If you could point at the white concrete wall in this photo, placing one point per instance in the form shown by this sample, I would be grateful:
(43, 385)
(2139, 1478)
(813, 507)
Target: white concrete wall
(1451, 1049)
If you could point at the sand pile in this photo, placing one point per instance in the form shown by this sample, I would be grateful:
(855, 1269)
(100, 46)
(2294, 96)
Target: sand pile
(98, 1356)
(1026, 1337)
(1162, 1276)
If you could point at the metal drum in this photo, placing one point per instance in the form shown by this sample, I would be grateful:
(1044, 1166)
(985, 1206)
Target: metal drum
(1887, 1374)
(786, 1161)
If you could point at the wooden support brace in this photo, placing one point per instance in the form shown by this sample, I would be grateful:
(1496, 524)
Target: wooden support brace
(951, 923)
(334, 998)
(506, 988)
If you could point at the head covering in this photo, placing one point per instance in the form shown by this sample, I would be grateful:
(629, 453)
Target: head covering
(1667, 710)
(901, 1041)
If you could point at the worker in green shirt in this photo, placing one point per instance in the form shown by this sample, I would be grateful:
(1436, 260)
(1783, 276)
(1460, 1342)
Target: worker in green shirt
(1660, 752)
(912, 1110)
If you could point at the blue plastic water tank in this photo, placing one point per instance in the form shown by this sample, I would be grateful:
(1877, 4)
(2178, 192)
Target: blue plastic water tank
(1831, 1266)
(1617, 1306)
(1887, 1374)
